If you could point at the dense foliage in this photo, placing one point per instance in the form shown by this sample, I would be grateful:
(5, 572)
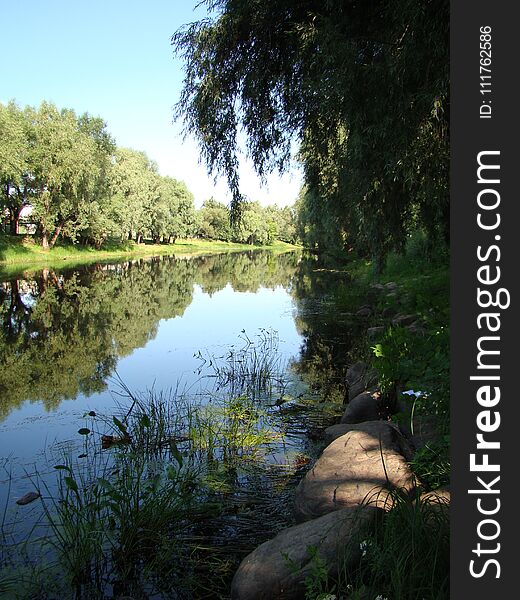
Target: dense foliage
(362, 86)
(66, 172)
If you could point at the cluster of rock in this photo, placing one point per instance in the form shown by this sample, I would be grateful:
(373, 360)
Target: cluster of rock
(350, 486)
(345, 492)
(409, 321)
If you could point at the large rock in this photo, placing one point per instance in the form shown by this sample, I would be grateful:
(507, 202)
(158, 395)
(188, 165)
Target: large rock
(436, 503)
(277, 569)
(356, 372)
(388, 312)
(374, 333)
(364, 407)
(377, 286)
(354, 469)
(335, 431)
(440, 496)
(358, 378)
(416, 327)
(403, 320)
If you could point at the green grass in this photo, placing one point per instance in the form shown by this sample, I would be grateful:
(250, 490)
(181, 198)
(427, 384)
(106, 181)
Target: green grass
(406, 557)
(21, 252)
(173, 487)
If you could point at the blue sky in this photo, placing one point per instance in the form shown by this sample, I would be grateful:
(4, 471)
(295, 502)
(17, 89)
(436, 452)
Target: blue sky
(113, 58)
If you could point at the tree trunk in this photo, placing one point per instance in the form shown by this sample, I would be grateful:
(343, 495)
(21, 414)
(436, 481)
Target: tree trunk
(45, 240)
(56, 234)
(14, 220)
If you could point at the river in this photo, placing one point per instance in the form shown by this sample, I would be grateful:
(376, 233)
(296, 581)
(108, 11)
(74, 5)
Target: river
(71, 338)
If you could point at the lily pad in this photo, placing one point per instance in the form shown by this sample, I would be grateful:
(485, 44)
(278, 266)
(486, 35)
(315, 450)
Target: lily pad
(28, 498)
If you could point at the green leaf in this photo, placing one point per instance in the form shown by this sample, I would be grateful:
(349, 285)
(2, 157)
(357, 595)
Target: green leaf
(175, 453)
(104, 483)
(122, 428)
(145, 421)
(71, 484)
(171, 473)
(378, 350)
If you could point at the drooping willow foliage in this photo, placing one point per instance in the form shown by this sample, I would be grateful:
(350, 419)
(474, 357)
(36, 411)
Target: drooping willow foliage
(363, 86)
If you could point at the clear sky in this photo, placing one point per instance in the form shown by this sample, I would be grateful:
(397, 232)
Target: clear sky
(113, 59)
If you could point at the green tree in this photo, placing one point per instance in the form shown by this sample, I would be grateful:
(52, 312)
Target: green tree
(282, 223)
(69, 165)
(15, 149)
(214, 221)
(135, 193)
(253, 226)
(173, 215)
(362, 86)
(96, 223)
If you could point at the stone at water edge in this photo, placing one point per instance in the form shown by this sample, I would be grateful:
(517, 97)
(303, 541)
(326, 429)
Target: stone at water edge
(355, 373)
(388, 312)
(335, 431)
(364, 407)
(440, 496)
(266, 575)
(354, 469)
(364, 312)
(437, 503)
(416, 327)
(358, 378)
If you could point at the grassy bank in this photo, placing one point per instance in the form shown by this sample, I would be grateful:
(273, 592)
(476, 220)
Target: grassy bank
(407, 557)
(164, 494)
(21, 252)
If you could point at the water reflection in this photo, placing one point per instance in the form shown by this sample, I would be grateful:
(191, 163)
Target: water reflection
(331, 334)
(63, 332)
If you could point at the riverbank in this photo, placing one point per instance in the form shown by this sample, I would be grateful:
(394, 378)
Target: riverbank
(22, 253)
(349, 316)
(373, 510)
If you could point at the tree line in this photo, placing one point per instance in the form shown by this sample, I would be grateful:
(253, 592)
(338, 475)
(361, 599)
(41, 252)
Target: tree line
(362, 87)
(81, 187)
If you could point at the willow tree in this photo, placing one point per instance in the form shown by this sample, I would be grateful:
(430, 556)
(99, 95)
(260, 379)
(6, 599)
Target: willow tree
(362, 86)
(15, 150)
(69, 164)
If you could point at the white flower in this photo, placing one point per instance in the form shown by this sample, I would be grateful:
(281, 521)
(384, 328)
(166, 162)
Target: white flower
(416, 394)
(363, 547)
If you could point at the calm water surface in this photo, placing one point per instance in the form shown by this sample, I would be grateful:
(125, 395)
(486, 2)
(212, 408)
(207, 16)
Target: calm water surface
(70, 337)
(66, 335)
